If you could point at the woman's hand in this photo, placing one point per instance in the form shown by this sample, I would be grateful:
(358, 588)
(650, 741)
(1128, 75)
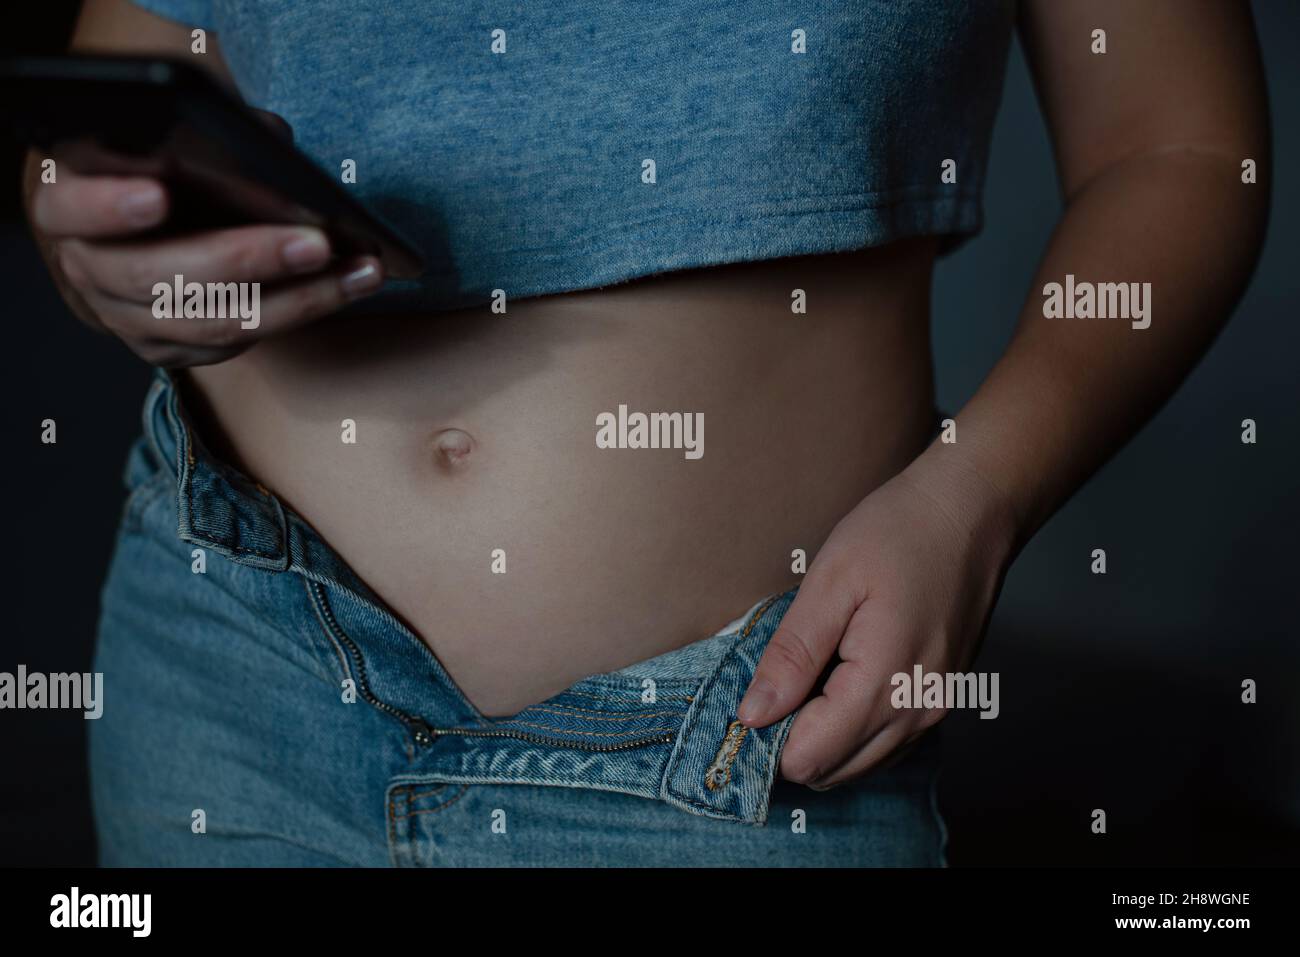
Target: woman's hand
(87, 227)
(908, 577)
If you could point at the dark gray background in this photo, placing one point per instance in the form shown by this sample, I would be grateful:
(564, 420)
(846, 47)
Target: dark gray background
(1119, 692)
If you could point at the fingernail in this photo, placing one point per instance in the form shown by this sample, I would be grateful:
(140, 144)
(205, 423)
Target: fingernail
(758, 701)
(360, 281)
(307, 251)
(142, 206)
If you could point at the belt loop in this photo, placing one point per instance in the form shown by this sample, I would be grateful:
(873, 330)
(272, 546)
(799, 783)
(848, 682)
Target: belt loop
(217, 506)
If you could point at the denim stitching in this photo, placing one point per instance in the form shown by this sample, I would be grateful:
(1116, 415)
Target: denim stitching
(464, 789)
(601, 715)
(189, 494)
(632, 692)
(593, 734)
(691, 724)
(735, 739)
(408, 798)
(392, 833)
(709, 807)
(416, 797)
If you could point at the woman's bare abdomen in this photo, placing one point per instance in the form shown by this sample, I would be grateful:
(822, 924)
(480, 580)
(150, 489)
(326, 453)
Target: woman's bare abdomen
(478, 503)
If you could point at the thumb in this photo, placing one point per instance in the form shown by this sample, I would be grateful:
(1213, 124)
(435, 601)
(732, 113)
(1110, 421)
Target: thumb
(795, 657)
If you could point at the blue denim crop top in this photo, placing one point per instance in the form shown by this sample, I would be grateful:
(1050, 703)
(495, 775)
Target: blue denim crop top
(547, 147)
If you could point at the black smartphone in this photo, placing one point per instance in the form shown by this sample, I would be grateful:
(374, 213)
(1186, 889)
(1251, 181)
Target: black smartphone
(222, 163)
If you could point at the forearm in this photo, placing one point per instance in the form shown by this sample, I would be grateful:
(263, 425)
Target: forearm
(1067, 393)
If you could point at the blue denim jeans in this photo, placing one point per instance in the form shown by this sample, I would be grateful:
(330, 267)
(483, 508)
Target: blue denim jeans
(263, 707)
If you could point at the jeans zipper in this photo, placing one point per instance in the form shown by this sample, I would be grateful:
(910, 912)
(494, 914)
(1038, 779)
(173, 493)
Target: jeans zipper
(363, 685)
(420, 729)
(541, 739)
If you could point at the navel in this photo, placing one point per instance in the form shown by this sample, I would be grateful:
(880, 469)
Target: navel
(451, 447)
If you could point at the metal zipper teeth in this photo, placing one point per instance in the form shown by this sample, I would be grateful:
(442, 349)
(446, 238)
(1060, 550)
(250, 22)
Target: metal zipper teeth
(420, 725)
(553, 742)
(363, 683)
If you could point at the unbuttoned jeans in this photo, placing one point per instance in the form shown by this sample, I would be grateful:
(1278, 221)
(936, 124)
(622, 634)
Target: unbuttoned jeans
(263, 707)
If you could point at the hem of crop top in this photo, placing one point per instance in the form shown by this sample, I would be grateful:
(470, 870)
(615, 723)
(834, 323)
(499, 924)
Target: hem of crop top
(685, 240)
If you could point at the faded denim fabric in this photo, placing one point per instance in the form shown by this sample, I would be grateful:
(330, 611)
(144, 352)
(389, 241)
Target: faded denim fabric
(224, 694)
(522, 171)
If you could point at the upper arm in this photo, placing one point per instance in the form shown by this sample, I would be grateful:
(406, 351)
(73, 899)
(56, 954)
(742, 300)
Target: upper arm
(119, 26)
(1176, 74)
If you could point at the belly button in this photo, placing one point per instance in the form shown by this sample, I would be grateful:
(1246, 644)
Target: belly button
(451, 447)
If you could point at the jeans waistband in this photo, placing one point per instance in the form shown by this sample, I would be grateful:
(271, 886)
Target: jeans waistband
(663, 729)
(224, 510)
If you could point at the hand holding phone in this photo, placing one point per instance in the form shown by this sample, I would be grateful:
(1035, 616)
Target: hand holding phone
(91, 227)
(163, 175)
